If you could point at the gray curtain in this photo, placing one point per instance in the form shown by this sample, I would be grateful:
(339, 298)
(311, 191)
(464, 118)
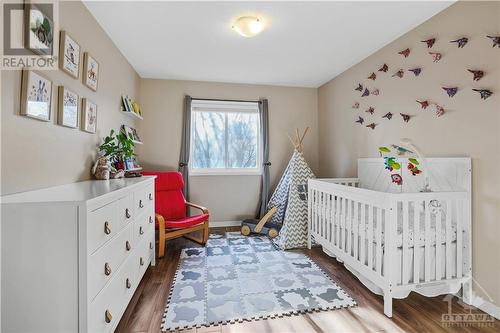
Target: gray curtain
(185, 144)
(264, 128)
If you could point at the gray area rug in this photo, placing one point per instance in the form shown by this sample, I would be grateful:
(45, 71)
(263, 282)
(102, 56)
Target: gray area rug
(237, 278)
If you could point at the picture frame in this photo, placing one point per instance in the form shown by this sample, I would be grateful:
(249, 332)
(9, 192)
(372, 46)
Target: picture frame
(38, 30)
(69, 55)
(90, 74)
(36, 95)
(89, 116)
(68, 108)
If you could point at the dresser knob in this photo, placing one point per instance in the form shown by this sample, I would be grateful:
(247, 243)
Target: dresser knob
(107, 269)
(127, 246)
(150, 219)
(128, 284)
(107, 316)
(150, 245)
(150, 196)
(107, 229)
(141, 232)
(127, 214)
(141, 204)
(141, 261)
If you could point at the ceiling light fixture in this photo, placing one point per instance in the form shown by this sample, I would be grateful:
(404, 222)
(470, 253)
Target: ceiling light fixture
(248, 26)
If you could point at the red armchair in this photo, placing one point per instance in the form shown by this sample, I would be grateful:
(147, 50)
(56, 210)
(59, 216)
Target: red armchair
(170, 209)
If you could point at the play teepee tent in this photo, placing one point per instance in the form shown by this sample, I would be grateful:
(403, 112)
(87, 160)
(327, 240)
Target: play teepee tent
(290, 198)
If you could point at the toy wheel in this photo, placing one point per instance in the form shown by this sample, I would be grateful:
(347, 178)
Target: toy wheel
(272, 233)
(245, 230)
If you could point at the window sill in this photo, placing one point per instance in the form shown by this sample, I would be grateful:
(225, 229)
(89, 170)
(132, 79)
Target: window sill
(224, 173)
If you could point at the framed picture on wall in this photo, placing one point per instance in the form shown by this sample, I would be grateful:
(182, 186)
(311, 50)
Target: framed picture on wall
(90, 71)
(89, 116)
(39, 28)
(67, 108)
(36, 95)
(69, 55)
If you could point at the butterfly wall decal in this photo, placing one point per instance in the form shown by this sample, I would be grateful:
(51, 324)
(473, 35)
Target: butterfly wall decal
(430, 42)
(372, 126)
(370, 110)
(450, 91)
(388, 115)
(461, 42)
(495, 40)
(416, 71)
(384, 68)
(360, 120)
(436, 56)
(375, 92)
(485, 93)
(423, 104)
(399, 73)
(405, 53)
(439, 110)
(406, 117)
(372, 76)
(478, 75)
(359, 88)
(366, 93)
(355, 105)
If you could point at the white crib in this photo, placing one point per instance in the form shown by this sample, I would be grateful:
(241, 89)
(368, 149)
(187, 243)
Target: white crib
(396, 239)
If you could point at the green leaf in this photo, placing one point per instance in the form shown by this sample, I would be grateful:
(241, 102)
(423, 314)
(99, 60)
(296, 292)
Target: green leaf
(384, 150)
(396, 165)
(413, 161)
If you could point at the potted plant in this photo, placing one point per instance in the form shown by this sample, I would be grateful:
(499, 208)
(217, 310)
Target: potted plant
(117, 148)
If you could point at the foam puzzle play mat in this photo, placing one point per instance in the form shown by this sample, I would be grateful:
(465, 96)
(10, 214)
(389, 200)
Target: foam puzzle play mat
(237, 278)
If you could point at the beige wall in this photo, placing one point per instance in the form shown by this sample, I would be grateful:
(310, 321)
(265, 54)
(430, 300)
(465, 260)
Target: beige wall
(230, 198)
(470, 128)
(39, 154)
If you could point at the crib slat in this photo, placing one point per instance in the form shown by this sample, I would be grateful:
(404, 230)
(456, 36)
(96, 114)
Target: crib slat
(355, 222)
(460, 219)
(448, 240)
(342, 223)
(336, 220)
(416, 241)
(323, 215)
(378, 236)
(439, 249)
(370, 237)
(362, 238)
(428, 248)
(315, 210)
(405, 243)
(348, 227)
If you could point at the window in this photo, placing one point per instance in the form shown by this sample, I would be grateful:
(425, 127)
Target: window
(225, 138)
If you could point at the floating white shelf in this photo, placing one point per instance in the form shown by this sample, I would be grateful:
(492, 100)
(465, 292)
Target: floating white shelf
(132, 114)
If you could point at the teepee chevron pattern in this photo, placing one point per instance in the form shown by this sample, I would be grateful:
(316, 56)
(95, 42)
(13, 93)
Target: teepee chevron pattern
(290, 197)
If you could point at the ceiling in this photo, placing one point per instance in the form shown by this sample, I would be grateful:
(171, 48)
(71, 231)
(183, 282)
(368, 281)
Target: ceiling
(304, 43)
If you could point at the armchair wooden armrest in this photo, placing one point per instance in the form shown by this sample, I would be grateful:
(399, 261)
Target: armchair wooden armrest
(203, 209)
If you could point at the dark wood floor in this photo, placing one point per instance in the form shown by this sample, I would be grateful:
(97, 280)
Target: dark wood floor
(413, 314)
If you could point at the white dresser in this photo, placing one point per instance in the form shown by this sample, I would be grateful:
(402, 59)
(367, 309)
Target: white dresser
(73, 255)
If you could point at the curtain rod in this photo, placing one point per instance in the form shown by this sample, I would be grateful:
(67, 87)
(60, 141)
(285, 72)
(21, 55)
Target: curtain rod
(223, 100)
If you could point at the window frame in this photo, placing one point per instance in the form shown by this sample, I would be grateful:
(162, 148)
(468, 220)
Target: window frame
(225, 107)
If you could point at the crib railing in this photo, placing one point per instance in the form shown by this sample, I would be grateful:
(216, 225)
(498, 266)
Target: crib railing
(360, 227)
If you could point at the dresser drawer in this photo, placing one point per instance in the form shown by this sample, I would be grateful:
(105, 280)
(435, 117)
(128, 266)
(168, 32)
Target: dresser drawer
(142, 226)
(102, 225)
(144, 254)
(125, 210)
(104, 263)
(106, 309)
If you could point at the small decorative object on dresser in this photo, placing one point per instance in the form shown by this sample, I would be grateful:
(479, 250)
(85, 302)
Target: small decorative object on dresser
(90, 71)
(36, 96)
(101, 168)
(68, 108)
(85, 248)
(39, 29)
(89, 116)
(69, 55)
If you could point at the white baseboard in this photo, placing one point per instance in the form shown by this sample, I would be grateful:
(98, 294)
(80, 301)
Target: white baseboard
(216, 224)
(488, 307)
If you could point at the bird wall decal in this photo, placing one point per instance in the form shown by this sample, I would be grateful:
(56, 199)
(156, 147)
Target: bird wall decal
(450, 91)
(388, 115)
(430, 42)
(384, 68)
(461, 42)
(372, 76)
(484, 93)
(405, 53)
(436, 56)
(423, 104)
(478, 75)
(416, 71)
(495, 40)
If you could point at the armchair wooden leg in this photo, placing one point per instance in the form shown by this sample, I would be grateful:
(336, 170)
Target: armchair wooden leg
(205, 232)
(161, 244)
